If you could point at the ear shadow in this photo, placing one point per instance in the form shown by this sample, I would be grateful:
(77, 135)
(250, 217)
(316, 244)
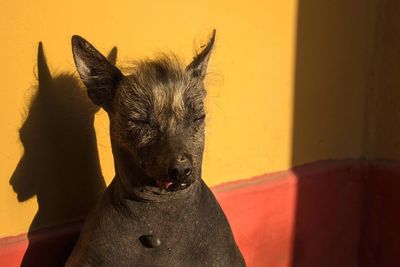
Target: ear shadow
(60, 164)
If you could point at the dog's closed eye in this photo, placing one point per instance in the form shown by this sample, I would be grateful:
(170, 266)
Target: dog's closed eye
(199, 118)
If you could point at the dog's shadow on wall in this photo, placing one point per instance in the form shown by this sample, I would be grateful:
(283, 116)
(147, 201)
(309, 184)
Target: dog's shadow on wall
(60, 164)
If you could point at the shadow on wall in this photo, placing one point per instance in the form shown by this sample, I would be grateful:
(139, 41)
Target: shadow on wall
(60, 164)
(334, 43)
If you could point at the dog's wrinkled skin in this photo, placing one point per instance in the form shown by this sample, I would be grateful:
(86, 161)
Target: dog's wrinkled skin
(157, 210)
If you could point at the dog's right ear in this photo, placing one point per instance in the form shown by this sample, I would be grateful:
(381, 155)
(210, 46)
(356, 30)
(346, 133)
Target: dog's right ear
(112, 55)
(100, 77)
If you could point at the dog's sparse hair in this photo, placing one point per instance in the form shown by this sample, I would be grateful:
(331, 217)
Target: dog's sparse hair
(158, 88)
(156, 112)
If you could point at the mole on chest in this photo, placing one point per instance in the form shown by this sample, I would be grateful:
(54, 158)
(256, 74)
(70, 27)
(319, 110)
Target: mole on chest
(150, 241)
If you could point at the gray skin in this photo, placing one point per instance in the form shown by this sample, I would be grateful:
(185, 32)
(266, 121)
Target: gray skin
(157, 211)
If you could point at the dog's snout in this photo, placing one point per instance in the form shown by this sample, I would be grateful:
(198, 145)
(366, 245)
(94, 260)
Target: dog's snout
(180, 168)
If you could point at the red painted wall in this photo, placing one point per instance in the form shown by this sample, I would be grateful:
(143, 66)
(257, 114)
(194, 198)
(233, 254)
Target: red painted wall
(380, 245)
(330, 213)
(307, 217)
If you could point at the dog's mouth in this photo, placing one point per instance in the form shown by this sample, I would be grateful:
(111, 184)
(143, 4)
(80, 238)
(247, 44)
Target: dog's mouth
(161, 190)
(164, 184)
(169, 185)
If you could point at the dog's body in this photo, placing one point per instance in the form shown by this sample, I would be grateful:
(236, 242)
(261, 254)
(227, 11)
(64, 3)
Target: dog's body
(157, 211)
(188, 231)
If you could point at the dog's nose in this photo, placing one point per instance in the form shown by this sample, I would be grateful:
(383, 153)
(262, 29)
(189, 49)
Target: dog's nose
(180, 168)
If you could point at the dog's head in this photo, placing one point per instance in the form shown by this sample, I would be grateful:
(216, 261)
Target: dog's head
(156, 112)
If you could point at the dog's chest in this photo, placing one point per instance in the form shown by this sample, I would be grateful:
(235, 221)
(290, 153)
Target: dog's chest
(153, 235)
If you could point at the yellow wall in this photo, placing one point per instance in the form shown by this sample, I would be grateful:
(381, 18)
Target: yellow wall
(384, 91)
(334, 44)
(250, 92)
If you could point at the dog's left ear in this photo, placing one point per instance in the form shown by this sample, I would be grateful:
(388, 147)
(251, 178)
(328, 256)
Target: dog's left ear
(198, 67)
(99, 75)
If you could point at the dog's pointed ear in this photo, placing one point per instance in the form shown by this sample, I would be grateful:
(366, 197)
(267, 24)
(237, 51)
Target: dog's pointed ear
(44, 75)
(198, 67)
(112, 55)
(100, 77)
